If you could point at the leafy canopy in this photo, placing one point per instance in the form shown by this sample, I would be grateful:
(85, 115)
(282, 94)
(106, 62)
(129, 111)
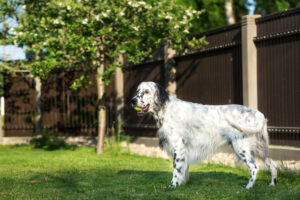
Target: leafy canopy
(72, 33)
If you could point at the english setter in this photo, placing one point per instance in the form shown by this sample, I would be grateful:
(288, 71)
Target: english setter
(191, 132)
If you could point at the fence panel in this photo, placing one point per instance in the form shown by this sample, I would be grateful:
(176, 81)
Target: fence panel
(68, 112)
(213, 75)
(20, 105)
(278, 50)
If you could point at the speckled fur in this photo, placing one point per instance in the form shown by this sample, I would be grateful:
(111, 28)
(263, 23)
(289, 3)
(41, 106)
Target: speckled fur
(191, 132)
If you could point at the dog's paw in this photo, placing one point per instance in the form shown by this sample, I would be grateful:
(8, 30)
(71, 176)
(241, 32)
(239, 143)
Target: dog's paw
(245, 187)
(170, 186)
(274, 182)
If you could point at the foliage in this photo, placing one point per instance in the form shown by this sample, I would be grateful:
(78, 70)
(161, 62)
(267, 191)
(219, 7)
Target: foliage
(214, 12)
(117, 136)
(72, 33)
(49, 141)
(264, 7)
(81, 174)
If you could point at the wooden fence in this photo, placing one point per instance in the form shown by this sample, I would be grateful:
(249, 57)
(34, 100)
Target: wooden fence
(214, 75)
(278, 50)
(20, 105)
(64, 111)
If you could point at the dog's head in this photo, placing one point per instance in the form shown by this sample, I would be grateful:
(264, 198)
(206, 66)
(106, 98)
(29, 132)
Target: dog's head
(149, 97)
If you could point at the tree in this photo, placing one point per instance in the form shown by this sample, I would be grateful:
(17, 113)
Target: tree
(264, 7)
(229, 12)
(214, 12)
(68, 34)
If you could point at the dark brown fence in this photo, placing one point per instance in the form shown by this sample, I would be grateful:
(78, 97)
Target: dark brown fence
(64, 111)
(278, 50)
(20, 105)
(67, 111)
(213, 75)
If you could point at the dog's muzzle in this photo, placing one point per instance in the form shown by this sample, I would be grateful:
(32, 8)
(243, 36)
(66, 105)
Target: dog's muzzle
(140, 110)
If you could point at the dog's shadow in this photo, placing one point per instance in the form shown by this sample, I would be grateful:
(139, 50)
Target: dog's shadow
(195, 178)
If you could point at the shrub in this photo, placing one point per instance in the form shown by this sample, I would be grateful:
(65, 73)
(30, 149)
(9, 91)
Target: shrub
(49, 141)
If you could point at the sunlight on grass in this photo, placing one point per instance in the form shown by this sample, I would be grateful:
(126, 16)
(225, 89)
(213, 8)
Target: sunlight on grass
(27, 173)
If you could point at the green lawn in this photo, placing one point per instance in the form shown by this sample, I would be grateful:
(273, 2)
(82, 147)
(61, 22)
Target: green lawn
(81, 174)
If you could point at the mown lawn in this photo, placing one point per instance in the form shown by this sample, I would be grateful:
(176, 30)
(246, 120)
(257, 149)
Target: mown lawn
(81, 174)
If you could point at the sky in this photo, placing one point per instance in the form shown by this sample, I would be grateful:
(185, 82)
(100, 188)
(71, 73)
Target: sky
(12, 53)
(15, 53)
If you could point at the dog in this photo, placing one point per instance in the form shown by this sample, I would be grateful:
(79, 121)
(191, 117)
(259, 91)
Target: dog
(191, 132)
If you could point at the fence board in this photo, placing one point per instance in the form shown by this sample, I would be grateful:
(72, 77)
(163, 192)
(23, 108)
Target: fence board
(19, 93)
(211, 78)
(68, 112)
(278, 50)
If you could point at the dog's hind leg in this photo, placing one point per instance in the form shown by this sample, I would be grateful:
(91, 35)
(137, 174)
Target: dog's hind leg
(243, 151)
(180, 166)
(273, 169)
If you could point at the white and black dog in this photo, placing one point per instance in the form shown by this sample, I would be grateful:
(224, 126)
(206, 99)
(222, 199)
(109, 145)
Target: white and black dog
(191, 132)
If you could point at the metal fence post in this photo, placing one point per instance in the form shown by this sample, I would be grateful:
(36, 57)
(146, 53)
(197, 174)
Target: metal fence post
(249, 61)
(169, 69)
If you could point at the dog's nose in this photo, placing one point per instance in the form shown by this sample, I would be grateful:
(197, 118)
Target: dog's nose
(133, 101)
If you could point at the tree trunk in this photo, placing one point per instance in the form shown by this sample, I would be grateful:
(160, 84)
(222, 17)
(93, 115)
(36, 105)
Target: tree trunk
(170, 69)
(229, 12)
(2, 105)
(38, 119)
(101, 106)
(119, 89)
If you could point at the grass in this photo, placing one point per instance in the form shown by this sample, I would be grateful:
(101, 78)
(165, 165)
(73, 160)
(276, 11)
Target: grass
(27, 173)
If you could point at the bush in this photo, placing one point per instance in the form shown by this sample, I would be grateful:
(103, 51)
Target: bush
(49, 141)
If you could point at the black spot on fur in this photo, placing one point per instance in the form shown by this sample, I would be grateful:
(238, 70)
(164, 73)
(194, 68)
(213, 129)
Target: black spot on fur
(275, 181)
(174, 165)
(252, 162)
(182, 160)
(161, 142)
(244, 151)
(174, 156)
(242, 155)
(251, 180)
(177, 159)
(161, 95)
(179, 170)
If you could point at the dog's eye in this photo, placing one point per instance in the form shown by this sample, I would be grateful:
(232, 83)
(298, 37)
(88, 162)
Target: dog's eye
(146, 92)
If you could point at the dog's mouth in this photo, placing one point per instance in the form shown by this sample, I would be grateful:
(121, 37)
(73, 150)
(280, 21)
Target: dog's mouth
(144, 110)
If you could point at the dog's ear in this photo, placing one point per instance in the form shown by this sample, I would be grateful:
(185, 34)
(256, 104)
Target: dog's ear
(161, 96)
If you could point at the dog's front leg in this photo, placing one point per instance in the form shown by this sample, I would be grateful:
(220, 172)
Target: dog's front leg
(180, 167)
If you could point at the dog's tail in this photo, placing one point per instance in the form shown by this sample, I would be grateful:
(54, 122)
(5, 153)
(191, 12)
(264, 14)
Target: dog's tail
(262, 144)
(258, 130)
(250, 128)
